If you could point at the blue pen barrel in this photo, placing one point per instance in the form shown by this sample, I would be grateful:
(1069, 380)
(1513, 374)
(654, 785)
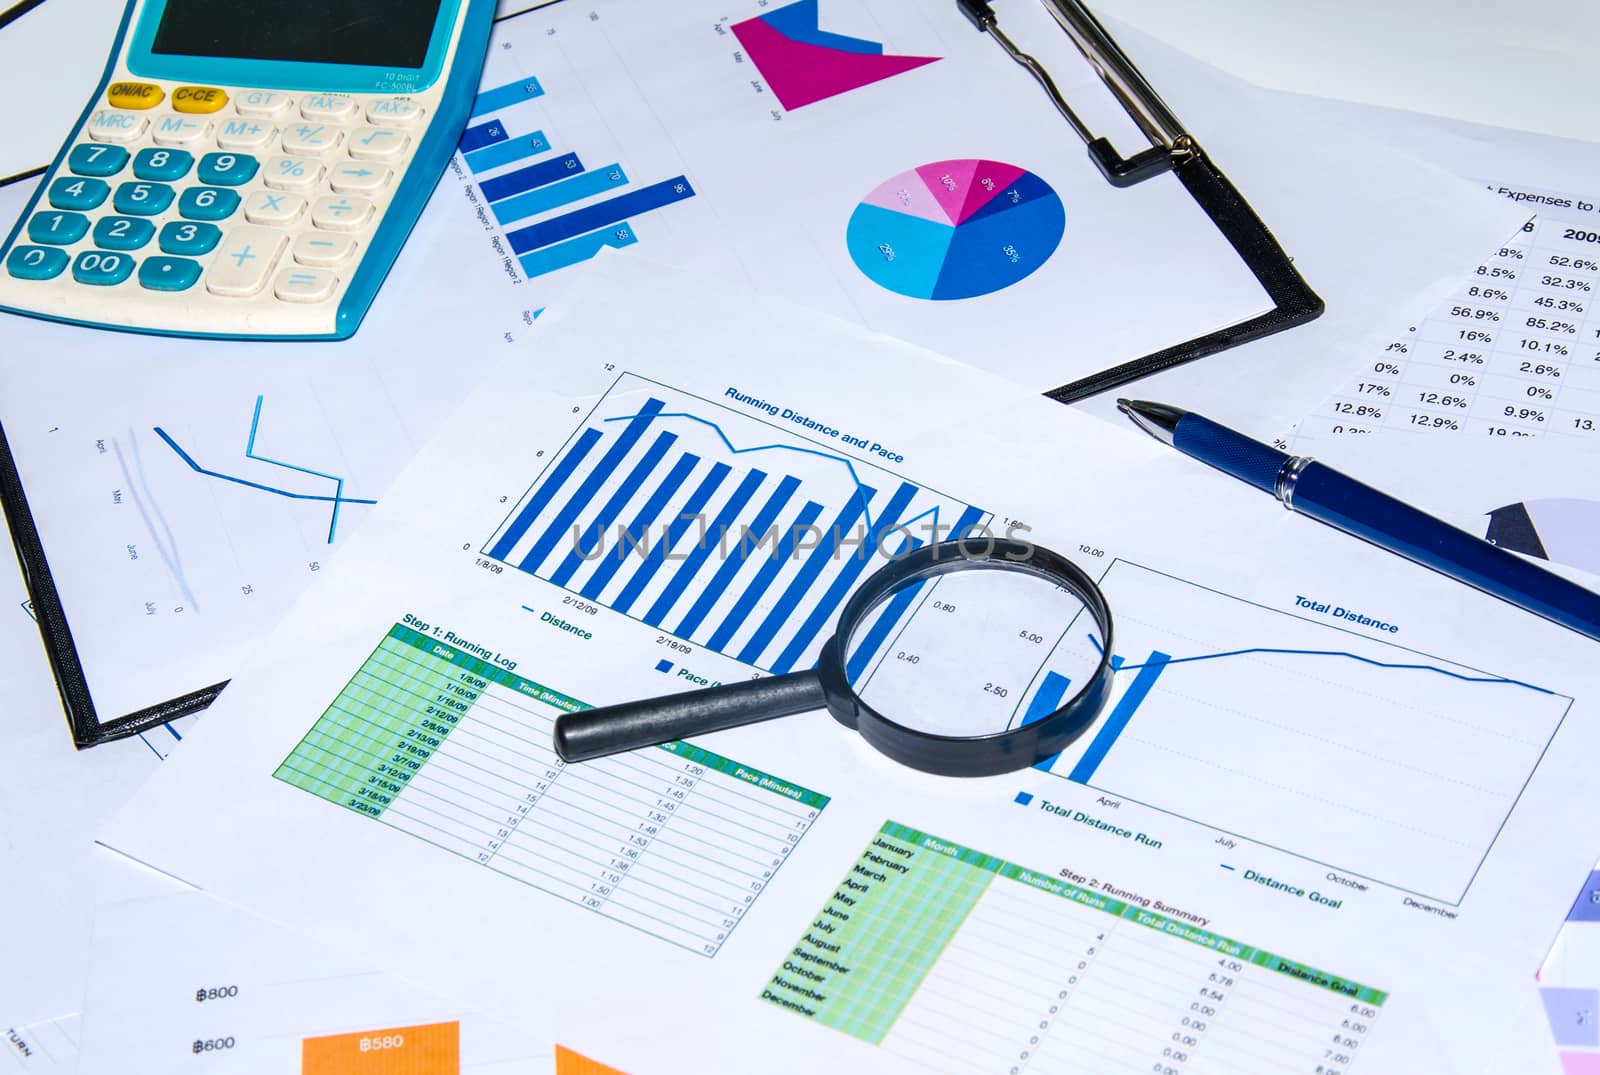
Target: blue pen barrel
(1230, 452)
(1329, 496)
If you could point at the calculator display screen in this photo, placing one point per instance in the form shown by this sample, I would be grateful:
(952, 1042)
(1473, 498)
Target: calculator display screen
(372, 33)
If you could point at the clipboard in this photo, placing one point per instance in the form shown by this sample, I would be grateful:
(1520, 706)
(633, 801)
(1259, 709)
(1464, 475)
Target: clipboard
(1172, 149)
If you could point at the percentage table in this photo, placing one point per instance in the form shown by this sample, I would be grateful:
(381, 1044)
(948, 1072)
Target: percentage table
(675, 841)
(963, 962)
(1513, 353)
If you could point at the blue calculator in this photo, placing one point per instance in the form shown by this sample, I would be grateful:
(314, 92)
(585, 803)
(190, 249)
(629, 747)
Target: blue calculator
(248, 170)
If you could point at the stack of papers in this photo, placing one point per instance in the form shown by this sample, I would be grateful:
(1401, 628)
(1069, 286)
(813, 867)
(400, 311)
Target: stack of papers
(1333, 812)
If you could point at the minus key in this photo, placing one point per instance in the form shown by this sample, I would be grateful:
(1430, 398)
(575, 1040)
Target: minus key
(323, 249)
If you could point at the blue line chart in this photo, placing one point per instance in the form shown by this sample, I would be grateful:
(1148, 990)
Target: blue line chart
(337, 499)
(1328, 653)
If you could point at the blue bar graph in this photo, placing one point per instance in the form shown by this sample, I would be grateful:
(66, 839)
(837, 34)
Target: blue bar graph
(741, 547)
(600, 215)
(789, 603)
(532, 188)
(1083, 772)
(654, 510)
(569, 463)
(558, 194)
(702, 552)
(1046, 700)
(502, 187)
(573, 251)
(511, 150)
(505, 96)
(758, 588)
(639, 529)
(659, 552)
(894, 611)
(595, 533)
(591, 485)
(484, 134)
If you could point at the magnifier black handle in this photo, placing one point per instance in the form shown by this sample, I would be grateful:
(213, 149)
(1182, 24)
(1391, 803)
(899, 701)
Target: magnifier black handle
(595, 733)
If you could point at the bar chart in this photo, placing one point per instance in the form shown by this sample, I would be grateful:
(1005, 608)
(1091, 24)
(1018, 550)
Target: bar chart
(1386, 763)
(726, 530)
(553, 210)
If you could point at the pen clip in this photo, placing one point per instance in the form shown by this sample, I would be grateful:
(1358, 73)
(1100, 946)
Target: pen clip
(1170, 144)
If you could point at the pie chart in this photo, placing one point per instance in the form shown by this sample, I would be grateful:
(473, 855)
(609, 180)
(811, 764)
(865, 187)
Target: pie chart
(955, 229)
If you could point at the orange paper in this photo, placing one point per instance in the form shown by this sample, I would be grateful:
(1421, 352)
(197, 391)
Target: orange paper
(431, 1049)
(571, 1063)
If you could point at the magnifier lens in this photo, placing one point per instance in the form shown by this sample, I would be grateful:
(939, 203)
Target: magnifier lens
(967, 653)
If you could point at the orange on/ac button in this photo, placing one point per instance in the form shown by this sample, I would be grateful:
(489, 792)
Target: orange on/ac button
(198, 99)
(134, 94)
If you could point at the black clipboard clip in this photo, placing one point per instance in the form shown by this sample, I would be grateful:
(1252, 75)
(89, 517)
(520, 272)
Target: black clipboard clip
(1172, 148)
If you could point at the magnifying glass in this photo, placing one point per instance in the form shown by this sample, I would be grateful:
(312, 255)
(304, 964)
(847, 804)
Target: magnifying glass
(931, 662)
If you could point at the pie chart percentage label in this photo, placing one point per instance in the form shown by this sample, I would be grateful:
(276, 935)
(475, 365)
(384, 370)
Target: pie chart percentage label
(955, 229)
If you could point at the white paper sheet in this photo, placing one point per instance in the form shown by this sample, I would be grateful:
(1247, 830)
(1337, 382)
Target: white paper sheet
(185, 490)
(1432, 811)
(1510, 351)
(185, 983)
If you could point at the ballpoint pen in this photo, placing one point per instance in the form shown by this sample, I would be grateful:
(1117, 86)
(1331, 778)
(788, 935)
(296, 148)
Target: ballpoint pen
(1317, 490)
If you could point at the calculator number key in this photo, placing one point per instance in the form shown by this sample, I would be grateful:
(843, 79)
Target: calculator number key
(142, 199)
(227, 169)
(101, 268)
(162, 165)
(273, 207)
(96, 160)
(72, 192)
(57, 229)
(36, 262)
(292, 173)
(244, 261)
(190, 240)
(377, 143)
(122, 232)
(208, 203)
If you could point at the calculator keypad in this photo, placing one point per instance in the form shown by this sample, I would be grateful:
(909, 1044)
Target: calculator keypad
(122, 232)
(72, 192)
(96, 160)
(36, 262)
(163, 165)
(221, 192)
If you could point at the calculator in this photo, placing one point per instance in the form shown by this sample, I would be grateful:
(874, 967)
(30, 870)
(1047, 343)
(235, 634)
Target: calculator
(248, 169)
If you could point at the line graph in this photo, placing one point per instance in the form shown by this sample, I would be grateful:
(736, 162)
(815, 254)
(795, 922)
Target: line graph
(718, 526)
(1323, 653)
(1358, 754)
(337, 498)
